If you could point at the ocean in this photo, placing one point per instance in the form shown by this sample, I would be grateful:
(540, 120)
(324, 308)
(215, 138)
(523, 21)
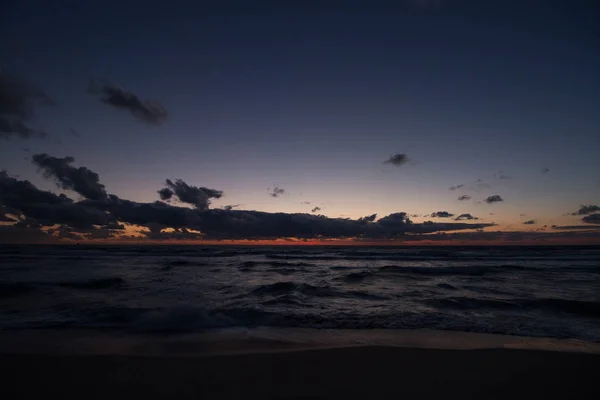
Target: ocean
(550, 292)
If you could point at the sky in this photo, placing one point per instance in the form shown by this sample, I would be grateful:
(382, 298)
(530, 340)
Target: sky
(305, 116)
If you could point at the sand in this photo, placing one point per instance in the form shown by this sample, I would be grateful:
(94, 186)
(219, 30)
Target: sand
(366, 372)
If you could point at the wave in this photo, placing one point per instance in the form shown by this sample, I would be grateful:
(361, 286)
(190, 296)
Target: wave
(473, 270)
(358, 276)
(577, 307)
(101, 283)
(307, 290)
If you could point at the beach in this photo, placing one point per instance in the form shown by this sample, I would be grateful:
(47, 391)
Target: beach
(296, 364)
(335, 373)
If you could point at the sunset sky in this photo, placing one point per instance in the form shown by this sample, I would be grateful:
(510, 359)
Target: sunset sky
(334, 109)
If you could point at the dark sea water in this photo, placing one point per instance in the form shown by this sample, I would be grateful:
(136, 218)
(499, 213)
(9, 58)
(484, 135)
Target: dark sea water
(531, 291)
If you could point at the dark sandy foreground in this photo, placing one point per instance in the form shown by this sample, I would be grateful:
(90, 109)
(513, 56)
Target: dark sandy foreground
(355, 372)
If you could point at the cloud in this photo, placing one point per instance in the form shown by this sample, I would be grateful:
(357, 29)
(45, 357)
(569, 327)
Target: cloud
(4, 217)
(462, 217)
(545, 170)
(501, 176)
(455, 187)
(368, 218)
(10, 128)
(591, 219)
(230, 207)
(197, 196)
(493, 199)
(530, 222)
(315, 209)
(464, 197)
(480, 185)
(276, 191)
(149, 111)
(45, 207)
(574, 227)
(397, 160)
(102, 216)
(305, 202)
(441, 214)
(18, 101)
(586, 209)
(81, 180)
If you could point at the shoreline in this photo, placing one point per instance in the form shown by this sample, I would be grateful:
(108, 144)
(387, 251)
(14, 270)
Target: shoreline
(259, 340)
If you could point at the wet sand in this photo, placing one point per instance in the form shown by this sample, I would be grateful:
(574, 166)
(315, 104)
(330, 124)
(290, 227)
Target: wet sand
(366, 372)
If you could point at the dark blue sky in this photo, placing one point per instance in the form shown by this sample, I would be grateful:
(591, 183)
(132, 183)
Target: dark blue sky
(313, 96)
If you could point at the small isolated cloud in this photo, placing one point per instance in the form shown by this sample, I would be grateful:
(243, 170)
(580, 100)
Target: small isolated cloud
(18, 101)
(315, 209)
(462, 217)
(196, 196)
(397, 160)
(530, 222)
(276, 191)
(502, 176)
(591, 219)
(480, 185)
(81, 180)
(493, 199)
(149, 111)
(305, 202)
(464, 197)
(453, 188)
(230, 207)
(74, 132)
(586, 209)
(441, 214)
(545, 170)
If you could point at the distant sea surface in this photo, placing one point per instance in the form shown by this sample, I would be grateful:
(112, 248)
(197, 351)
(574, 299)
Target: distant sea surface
(530, 291)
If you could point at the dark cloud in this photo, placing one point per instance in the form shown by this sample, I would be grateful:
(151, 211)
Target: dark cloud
(230, 207)
(146, 214)
(368, 218)
(11, 128)
(305, 202)
(276, 191)
(397, 159)
(74, 132)
(586, 209)
(4, 217)
(81, 180)
(100, 217)
(441, 214)
(197, 196)
(591, 219)
(464, 197)
(165, 194)
(149, 111)
(493, 199)
(545, 170)
(45, 207)
(453, 188)
(18, 101)
(575, 227)
(530, 222)
(315, 209)
(462, 217)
